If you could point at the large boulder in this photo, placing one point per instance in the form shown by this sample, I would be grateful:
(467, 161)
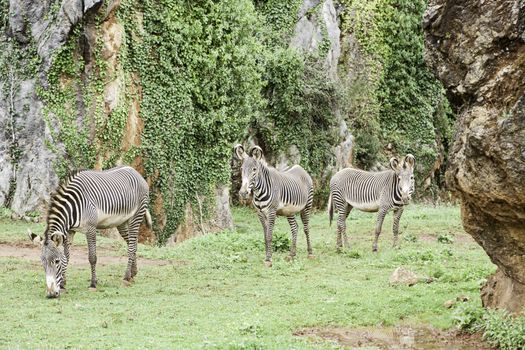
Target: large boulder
(477, 50)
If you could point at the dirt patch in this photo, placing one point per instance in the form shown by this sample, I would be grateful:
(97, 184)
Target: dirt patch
(392, 338)
(78, 256)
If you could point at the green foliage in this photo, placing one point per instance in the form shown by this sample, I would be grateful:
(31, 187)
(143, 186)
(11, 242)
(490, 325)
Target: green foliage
(200, 85)
(445, 239)
(301, 99)
(66, 123)
(498, 327)
(4, 15)
(410, 238)
(279, 18)
(467, 317)
(300, 109)
(405, 106)
(5, 213)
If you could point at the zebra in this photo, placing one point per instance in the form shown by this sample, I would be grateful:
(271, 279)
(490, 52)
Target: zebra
(274, 193)
(86, 201)
(371, 192)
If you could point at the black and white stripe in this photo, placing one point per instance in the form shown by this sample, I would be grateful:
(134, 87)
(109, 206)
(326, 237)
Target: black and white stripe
(89, 200)
(371, 192)
(276, 193)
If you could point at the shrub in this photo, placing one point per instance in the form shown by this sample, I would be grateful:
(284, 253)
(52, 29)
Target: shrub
(467, 317)
(445, 239)
(499, 328)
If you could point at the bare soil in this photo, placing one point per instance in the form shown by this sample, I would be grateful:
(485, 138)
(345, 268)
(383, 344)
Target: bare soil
(78, 255)
(394, 338)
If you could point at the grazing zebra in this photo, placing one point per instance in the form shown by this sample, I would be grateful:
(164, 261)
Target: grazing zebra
(371, 192)
(276, 193)
(88, 200)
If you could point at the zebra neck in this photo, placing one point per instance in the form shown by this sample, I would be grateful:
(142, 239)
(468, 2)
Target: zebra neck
(262, 184)
(396, 192)
(54, 226)
(62, 217)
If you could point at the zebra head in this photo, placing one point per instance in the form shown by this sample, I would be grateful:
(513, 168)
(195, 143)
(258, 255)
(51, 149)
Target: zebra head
(249, 169)
(53, 260)
(405, 176)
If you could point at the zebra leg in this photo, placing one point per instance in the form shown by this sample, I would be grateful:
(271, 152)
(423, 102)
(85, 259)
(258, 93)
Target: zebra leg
(262, 219)
(305, 218)
(67, 245)
(345, 237)
(379, 224)
(341, 225)
(123, 230)
(133, 234)
(395, 228)
(124, 233)
(268, 237)
(294, 227)
(91, 236)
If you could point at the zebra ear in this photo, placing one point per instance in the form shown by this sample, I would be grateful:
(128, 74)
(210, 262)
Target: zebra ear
(410, 160)
(256, 152)
(34, 237)
(57, 238)
(239, 151)
(394, 163)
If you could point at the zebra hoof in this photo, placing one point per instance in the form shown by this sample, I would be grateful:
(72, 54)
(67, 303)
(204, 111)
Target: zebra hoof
(374, 250)
(268, 263)
(311, 256)
(92, 289)
(126, 283)
(289, 258)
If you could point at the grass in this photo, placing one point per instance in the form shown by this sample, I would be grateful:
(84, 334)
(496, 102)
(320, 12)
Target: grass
(218, 295)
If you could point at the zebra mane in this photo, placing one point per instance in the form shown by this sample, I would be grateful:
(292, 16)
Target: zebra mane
(65, 183)
(54, 196)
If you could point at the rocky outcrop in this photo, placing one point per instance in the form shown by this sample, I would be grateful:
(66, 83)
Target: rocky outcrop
(318, 23)
(38, 30)
(317, 31)
(26, 174)
(477, 50)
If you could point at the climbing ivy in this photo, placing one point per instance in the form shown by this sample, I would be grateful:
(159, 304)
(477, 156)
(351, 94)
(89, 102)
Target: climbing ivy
(75, 109)
(407, 110)
(60, 96)
(301, 100)
(198, 65)
(211, 73)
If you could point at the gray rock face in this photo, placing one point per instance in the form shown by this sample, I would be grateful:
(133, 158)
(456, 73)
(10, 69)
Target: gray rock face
(26, 165)
(223, 216)
(318, 22)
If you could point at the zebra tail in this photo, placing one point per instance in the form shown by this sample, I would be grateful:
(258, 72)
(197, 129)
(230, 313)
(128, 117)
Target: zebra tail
(330, 208)
(149, 223)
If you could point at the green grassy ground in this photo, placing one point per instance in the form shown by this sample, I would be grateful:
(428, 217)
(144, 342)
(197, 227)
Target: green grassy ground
(218, 294)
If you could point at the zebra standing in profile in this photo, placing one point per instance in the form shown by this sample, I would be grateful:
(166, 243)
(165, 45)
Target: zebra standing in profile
(86, 201)
(276, 193)
(371, 192)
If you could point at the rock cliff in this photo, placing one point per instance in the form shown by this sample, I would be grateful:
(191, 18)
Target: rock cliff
(26, 174)
(33, 34)
(477, 49)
